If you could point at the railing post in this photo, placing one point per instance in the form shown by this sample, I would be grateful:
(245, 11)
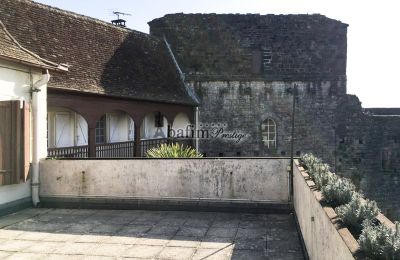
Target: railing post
(169, 138)
(92, 142)
(137, 147)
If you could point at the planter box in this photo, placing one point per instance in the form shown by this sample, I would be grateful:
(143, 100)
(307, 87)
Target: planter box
(319, 223)
(323, 235)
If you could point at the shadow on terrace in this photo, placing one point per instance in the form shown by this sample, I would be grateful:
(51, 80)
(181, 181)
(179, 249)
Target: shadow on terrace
(36, 233)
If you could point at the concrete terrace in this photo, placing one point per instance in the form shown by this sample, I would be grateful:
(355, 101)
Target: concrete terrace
(115, 234)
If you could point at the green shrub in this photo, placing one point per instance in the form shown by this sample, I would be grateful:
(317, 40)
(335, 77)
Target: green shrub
(354, 213)
(323, 177)
(338, 191)
(173, 151)
(311, 162)
(317, 170)
(379, 241)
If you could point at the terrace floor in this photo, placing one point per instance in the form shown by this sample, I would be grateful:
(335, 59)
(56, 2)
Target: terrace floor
(135, 234)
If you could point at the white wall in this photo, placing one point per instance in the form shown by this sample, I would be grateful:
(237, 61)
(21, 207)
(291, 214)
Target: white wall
(15, 84)
(181, 124)
(190, 179)
(10, 193)
(321, 237)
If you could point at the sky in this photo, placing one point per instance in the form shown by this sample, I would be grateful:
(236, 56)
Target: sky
(373, 51)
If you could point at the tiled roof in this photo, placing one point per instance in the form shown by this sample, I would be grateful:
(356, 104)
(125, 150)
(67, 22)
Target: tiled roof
(10, 49)
(102, 58)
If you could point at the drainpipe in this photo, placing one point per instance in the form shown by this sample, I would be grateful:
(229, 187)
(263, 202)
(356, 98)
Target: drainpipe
(196, 131)
(37, 110)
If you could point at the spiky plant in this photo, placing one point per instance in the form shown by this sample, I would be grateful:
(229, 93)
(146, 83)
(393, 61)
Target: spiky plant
(173, 151)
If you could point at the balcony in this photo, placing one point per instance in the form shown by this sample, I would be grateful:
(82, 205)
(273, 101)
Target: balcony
(114, 150)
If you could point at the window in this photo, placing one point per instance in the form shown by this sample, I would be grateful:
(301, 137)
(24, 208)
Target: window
(101, 131)
(266, 58)
(14, 142)
(268, 133)
(386, 160)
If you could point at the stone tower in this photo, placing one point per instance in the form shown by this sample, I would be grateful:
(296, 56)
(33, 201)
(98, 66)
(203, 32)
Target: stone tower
(245, 69)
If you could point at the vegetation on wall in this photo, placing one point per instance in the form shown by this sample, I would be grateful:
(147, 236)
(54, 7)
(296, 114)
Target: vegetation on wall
(379, 241)
(354, 213)
(376, 240)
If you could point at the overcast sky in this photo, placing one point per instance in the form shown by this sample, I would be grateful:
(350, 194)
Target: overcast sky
(373, 35)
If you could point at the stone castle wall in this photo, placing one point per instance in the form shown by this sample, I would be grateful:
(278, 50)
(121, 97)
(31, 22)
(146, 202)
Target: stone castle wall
(243, 69)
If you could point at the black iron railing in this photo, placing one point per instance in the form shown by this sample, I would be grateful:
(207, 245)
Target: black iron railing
(115, 150)
(69, 152)
(151, 143)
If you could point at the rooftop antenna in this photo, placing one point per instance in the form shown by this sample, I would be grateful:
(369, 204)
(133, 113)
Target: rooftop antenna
(119, 22)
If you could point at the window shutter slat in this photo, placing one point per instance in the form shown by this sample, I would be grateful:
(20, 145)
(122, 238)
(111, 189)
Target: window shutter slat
(17, 148)
(5, 142)
(26, 141)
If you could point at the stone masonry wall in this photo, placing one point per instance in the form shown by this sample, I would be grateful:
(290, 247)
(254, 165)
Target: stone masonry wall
(270, 47)
(243, 106)
(243, 69)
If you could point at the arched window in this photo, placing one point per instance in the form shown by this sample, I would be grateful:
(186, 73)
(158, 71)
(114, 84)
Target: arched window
(268, 133)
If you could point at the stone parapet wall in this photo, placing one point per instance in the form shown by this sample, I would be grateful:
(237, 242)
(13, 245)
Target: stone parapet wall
(222, 180)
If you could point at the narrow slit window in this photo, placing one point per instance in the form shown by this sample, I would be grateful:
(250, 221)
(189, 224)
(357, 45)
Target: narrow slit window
(266, 58)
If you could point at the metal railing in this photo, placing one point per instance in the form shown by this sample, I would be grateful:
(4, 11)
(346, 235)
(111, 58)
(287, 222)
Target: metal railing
(151, 143)
(69, 152)
(116, 150)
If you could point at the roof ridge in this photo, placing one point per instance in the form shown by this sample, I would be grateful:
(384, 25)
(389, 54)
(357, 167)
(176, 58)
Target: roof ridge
(46, 62)
(248, 14)
(84, 17)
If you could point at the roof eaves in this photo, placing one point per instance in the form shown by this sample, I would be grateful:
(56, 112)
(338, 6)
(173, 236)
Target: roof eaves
(30, 64)
(188, 91)
(46, 64)
(81, 92)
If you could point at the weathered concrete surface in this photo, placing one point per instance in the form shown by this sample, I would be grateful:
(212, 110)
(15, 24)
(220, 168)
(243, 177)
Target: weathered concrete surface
(98, 234)
(320, 236)
(222, 179)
